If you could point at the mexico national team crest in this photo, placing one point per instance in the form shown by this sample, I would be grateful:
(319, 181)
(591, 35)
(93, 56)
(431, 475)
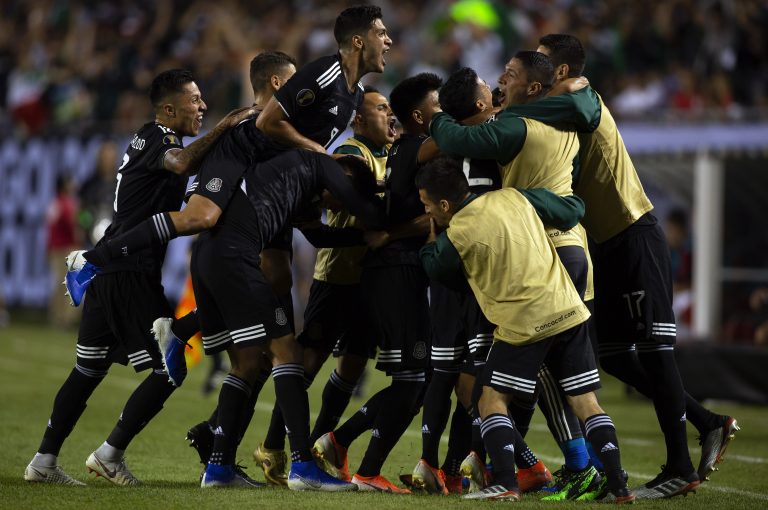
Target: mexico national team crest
(280, 317)
(420, 350)
(214, 185)
(305, 97)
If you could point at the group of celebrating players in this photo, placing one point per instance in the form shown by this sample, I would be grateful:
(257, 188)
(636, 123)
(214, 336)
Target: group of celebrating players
(487, 295)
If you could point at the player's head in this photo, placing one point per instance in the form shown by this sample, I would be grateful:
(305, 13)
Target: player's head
(363, 181)
(465, 95)
(360, 31)
(442, 188)
(375, 120)
(414, 101)
(269, 71)
(525, 78)
(178, 102)
(566, 53)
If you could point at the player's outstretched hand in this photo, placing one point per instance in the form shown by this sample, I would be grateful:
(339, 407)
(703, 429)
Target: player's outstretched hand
(237, 115)
(569, 85)
(432, 231)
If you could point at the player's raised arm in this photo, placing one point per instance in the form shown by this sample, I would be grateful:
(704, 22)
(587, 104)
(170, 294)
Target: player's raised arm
(185, 161)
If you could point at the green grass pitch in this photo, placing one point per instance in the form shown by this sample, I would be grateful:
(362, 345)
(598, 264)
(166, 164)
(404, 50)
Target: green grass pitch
(35, 360)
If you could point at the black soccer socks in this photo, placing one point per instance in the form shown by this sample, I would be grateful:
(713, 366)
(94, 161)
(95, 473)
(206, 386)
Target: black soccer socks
(144, 403)
(499, 437)
(336, 396)
(291, 393)
(437, 407)
(602, 434)
(68, 406)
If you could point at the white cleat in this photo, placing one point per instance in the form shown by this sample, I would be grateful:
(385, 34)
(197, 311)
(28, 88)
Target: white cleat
(46, 474)
(116, 472)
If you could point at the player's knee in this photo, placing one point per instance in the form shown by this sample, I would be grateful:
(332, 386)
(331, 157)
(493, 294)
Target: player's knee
(351, 366)
(491, 402)
(585, 405)
(286, 350)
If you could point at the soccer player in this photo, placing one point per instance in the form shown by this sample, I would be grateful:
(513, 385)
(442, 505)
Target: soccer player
(634, 320)
(268, 72)
(498, 242)
(239, 312)
(533, 156)
(462, 335)
(310, 112)
(334, 320)
(413, 102)
(128, 295)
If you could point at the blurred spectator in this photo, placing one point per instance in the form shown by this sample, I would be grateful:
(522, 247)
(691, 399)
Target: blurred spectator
(749, 324)
(97, 194)
(679, 240)
(758, 303)
(86, 64)
(62, 238)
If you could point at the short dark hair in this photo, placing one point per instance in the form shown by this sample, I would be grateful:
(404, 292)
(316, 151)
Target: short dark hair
(168, 82)
(458, 95)
(407, 94)
(538, 67)
(355, 19)
(369, 89)
(265, 65)
(363, 180)
(565, 49)
(443, 179)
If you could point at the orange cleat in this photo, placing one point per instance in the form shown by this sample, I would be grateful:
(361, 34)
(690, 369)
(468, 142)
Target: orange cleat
(533, 478)
(377, 484)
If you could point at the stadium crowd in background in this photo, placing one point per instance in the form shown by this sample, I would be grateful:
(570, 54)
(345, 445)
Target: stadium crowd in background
(69, 65)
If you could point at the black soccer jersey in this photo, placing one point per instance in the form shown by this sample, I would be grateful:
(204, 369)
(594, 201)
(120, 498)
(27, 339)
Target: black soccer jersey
(402, 203)
(145, 188)
(482, 175)
(317, 101)
(283, 187)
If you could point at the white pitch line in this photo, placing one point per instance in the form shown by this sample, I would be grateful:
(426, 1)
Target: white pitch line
(12, 365)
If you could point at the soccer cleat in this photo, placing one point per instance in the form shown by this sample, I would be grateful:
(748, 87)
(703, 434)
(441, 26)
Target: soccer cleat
(495, 492)
(668, 485)
(713, 446)
(50, 474)
(79, 275)
(620, 496)
(377, 484)
(428, 479)
(573, 484)
(171, 349)
(453, 484)
(274, 463)
(227, 476)
(200, 438)
(533, 478)
(473, 469)
(307, 476)
(116, 472)
(332, 456)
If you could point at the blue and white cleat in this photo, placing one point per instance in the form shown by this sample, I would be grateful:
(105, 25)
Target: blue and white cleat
(79, 275)
(307, 476)
(227, 476)
(171, 349)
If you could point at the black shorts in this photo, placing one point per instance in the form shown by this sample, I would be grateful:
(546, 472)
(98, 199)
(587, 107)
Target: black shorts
(633, 288)
(574, 259)
(461, 335)
(568, 355)
(118, 313)
(235, 304)
(334, 320)
(396, 302)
